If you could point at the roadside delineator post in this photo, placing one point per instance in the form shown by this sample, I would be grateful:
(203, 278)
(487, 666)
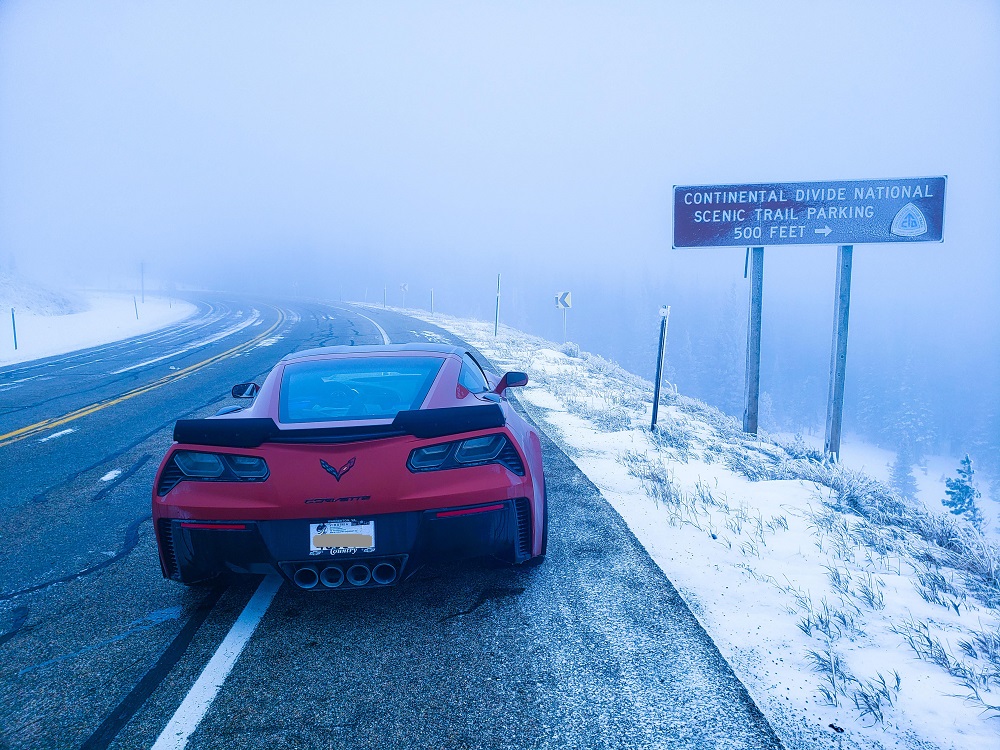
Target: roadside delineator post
(496, 320)
(664, 320)
(13, 325)
(136, 305)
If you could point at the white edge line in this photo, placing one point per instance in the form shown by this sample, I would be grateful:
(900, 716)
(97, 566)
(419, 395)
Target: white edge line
(199, 699)
(385, 336)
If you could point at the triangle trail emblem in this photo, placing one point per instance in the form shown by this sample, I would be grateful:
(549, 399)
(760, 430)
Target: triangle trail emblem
(909, 222)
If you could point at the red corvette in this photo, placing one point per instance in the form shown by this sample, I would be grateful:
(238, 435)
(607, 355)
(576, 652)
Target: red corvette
(351, 468)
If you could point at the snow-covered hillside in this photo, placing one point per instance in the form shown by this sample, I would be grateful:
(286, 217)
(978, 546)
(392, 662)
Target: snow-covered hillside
(855, 618)
(51, 321)
(25, 295)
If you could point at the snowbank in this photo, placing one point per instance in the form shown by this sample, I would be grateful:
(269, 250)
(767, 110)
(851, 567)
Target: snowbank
(50, 323)
(25, 295)
(855, 618)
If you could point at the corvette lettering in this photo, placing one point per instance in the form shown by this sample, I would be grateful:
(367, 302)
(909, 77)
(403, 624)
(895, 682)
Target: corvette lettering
(351, 499)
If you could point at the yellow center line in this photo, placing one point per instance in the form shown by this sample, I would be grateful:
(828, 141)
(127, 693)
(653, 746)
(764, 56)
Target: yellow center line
(48, 424)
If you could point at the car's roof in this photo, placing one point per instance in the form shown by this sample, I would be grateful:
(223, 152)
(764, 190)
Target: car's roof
(418, 348)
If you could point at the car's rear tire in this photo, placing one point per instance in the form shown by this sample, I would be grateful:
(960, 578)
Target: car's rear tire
(538, 559)
(545, 520)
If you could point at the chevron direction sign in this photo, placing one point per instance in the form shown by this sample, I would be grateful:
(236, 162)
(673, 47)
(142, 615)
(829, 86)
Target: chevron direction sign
(564, 300)
(843, 212)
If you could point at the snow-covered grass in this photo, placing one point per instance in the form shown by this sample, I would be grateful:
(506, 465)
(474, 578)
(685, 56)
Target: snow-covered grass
(840, 605)
(930, 473)
(50, 322)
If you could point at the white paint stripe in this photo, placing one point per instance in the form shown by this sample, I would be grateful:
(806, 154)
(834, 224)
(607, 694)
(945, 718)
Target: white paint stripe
(198, 700)
(22, 380)
(385, 336)
(55, 435)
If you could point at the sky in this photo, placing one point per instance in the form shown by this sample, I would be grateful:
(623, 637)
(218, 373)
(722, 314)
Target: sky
(336, 148)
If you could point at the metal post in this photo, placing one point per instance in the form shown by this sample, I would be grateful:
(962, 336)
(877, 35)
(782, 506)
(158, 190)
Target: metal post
(751, 393)
(432, 301)
(664, 318)
(496, 321)
(13, 325)
(838, 356)
(564, 325)
(135, 304)
(385, 295)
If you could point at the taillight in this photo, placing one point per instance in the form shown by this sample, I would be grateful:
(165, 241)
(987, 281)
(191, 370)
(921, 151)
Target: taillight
(478, 451)
(247, 467)
(429, 458)
(196, 465)
(199, 466)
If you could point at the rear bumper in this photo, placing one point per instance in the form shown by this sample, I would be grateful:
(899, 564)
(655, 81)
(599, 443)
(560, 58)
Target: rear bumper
(192, 551)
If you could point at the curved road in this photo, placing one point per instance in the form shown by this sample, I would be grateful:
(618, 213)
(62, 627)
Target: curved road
(592, 649)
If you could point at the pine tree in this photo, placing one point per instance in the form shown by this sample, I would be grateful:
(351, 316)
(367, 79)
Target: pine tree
(901, 476)
(912, 419)
(962, 494)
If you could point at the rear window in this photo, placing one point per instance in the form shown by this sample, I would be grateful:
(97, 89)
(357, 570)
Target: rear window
(355, 388)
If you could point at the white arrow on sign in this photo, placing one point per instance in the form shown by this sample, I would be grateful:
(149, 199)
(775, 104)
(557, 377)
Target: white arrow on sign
(824, 231)
(404, 288)
(564, 300)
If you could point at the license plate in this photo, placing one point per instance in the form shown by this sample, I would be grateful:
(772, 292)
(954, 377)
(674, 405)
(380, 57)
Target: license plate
(342, 535)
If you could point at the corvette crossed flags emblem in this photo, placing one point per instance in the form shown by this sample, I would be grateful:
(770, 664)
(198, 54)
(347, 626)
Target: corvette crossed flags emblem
(337, 473)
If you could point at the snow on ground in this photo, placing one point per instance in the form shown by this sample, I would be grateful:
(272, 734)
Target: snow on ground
(855, 619)
(930, 474)
(23, 294)
(50, 323)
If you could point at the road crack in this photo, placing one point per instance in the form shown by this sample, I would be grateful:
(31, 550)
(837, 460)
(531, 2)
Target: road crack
(488, 595)
(12, 623)
(123, 477)
(131, 540)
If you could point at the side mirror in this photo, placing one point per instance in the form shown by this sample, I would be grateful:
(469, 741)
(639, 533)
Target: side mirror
(512, 379)
(246, 390)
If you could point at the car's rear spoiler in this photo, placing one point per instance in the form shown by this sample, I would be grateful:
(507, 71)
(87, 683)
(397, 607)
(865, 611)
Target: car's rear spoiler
(251, 432)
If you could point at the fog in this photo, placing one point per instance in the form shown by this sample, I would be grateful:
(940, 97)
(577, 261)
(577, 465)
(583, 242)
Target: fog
(338, 149)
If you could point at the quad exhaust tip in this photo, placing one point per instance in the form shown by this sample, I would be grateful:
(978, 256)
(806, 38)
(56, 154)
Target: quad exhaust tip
(306, 577)
(359, 575)
(332, 576)
(384, 573)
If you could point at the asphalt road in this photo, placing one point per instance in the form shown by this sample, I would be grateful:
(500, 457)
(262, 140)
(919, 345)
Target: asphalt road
(592, 649)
